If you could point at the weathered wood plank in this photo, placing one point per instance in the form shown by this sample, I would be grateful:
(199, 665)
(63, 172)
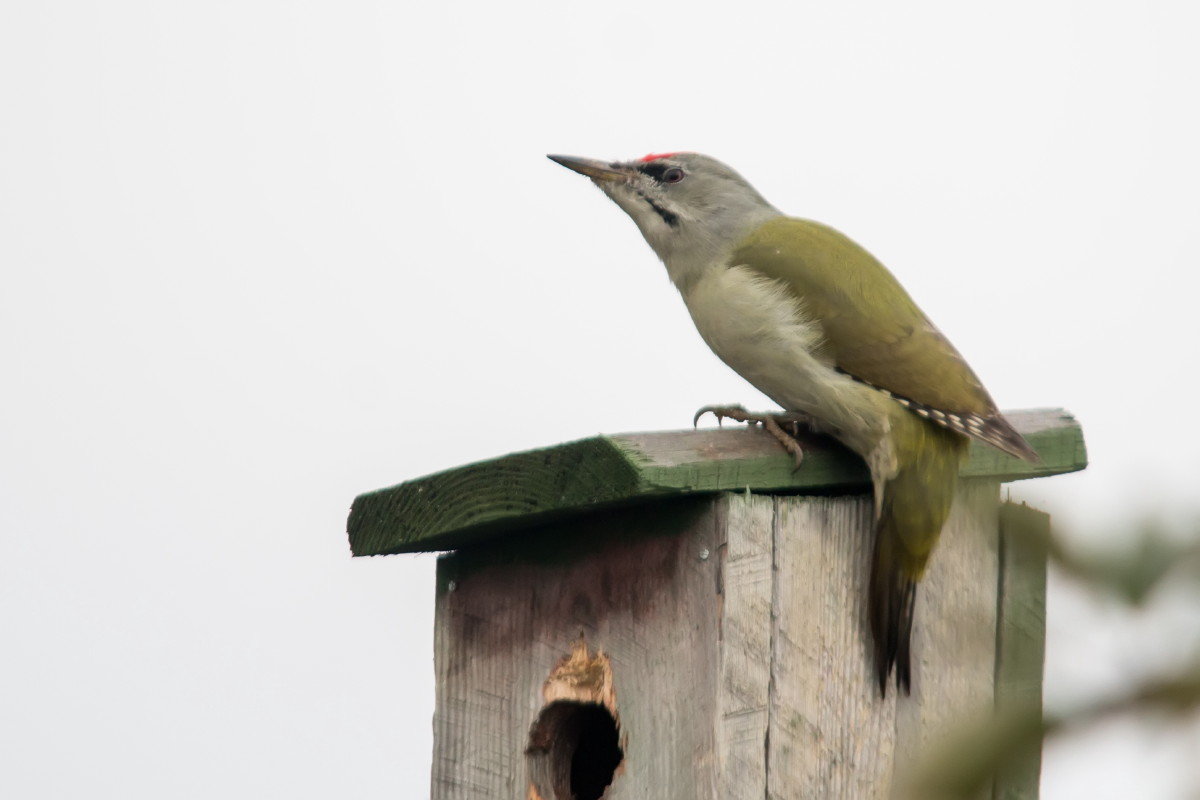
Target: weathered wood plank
(469, 504)
(748, 578)
(954, 638)
(831, 735)
(1021, 635)
(736, 635)
(641, 588)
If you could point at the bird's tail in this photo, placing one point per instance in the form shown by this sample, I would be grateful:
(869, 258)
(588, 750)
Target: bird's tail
(893, 595)
(913, 507)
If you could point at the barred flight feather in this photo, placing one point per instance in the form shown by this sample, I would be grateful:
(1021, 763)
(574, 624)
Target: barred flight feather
(994, 430)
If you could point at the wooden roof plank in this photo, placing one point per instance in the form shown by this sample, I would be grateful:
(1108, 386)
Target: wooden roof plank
(449, 509)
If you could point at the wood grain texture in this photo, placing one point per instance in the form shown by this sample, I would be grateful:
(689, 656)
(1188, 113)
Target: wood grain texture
(1021, 635)
(735, 630)
(643, 588)
(832, 736)
(954, 639)
(743, 693)
(469, 504)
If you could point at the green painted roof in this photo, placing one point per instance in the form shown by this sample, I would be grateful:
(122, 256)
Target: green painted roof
(449, 509)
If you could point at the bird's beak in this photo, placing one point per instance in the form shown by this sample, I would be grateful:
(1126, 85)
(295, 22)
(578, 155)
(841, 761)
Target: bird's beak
(597, 170)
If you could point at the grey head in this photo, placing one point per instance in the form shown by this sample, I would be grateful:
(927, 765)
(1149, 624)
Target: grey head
(691, 208)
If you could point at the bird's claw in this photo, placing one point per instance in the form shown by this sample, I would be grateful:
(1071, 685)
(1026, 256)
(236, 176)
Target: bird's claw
(770, 422)
(722, 413)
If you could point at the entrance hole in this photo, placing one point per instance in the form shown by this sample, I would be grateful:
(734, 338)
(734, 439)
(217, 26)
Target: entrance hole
(574, 750)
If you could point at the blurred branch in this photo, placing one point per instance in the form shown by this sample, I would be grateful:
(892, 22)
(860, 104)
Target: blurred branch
(1134, 573)
(967, 765)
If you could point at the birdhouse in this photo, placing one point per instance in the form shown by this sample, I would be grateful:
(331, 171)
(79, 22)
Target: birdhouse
(682, 615)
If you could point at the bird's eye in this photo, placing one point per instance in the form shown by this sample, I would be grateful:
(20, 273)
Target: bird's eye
(672, 175)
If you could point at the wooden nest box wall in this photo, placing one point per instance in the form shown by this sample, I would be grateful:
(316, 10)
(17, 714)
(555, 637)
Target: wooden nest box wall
(682, 616)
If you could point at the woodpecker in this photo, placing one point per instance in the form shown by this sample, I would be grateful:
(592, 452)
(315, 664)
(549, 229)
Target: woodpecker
(821, 327)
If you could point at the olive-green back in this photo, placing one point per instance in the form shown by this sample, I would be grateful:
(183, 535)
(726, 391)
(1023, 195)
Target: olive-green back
(873, 329)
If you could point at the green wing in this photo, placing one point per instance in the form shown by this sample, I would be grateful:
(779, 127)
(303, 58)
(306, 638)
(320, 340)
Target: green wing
(873, 329)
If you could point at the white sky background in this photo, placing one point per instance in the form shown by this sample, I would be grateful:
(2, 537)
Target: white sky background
(259, 257)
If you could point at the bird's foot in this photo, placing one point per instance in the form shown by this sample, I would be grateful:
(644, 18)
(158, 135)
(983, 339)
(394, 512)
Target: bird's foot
(778, 425)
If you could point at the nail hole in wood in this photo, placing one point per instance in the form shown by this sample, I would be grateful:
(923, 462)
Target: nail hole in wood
(574, 750)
